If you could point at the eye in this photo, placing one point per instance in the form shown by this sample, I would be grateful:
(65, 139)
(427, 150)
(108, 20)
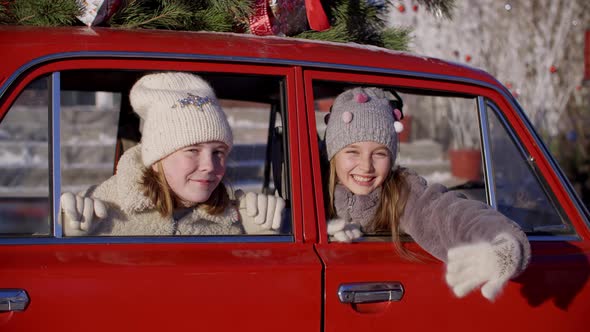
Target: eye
(381, 154)
(220, 153)
(351, 151)
(192, 149)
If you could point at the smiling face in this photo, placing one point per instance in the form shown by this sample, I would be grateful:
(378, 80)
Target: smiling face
(193, 172)
(363, 166)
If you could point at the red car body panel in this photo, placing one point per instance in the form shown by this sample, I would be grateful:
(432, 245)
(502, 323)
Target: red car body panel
(163, 286)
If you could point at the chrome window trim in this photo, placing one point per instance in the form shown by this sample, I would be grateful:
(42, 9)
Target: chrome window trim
(544, 238)
(150, 239)
(486, 149)
(583, 212)
(55, 148)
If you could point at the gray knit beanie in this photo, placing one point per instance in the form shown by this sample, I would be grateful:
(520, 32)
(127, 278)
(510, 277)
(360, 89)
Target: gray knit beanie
(359, 115)
(178, 109)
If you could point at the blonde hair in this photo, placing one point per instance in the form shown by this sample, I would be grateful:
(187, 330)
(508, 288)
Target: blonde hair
(394, 196)
(156, 188)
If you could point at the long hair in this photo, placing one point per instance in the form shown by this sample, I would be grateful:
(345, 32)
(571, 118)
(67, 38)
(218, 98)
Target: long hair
(157, 189)
(394, 196)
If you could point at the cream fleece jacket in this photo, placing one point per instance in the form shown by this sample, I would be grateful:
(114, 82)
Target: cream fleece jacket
(132, 213)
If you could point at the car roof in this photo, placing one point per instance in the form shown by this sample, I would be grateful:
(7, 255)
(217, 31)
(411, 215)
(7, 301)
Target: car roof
(33, 43)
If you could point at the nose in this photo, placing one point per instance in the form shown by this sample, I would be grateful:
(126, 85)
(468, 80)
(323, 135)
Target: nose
(206, 162)
(366, 163)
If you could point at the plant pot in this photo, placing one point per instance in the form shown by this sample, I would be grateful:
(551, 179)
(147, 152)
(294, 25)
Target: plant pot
(405, 135)
(324, 104)
(466, 164)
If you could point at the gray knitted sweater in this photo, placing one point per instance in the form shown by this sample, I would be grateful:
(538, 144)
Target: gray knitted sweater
(436, 218)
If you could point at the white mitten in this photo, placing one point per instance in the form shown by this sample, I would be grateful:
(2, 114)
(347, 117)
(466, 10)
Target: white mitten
(488, 264)
(260, 214)
(80, 212)
(343, 231)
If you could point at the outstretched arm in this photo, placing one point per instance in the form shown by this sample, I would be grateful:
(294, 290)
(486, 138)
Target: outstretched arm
(479, 245)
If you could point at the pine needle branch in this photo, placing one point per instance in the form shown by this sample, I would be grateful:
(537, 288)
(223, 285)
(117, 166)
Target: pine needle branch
(360, 22)
(442, 8)
(153, 14)
(5, 16)
(45, 12)
(397, 38)
(240, 10)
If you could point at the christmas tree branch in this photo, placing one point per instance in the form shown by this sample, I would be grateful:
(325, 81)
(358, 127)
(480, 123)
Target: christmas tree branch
(154, 14)
(45, 12)
(442, 8)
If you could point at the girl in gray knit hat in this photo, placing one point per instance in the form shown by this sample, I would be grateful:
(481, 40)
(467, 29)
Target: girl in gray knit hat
(368, 194)
(170, 184)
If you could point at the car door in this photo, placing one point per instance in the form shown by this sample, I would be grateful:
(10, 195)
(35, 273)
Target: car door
(368, 286)
(63, 126)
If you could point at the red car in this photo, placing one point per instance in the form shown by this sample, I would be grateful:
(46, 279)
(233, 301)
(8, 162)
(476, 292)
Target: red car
(65, 119)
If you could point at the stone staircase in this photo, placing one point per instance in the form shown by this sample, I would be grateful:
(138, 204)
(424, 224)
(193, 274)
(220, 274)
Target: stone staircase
(425, 157)
(87, 153)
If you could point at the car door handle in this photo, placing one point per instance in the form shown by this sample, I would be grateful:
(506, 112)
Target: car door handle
(13, 300)
(367, 292)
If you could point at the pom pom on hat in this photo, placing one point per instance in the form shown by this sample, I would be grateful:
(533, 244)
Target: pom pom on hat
(399, 127)
(178, 109)
(361, 98)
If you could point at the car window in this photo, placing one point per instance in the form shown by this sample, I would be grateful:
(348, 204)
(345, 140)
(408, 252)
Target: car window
(88, 133)
(521, 193)
(24, 164)
(97, 125)
(440, 140)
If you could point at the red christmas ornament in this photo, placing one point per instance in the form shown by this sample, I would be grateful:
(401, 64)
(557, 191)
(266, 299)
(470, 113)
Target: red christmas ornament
(552, 69)
(509, 85)
(401, 8)
(316, 16)
(579, 87)
(415, 8)
(468, 58)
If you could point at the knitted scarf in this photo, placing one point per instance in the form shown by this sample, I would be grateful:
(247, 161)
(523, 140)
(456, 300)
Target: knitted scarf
(359, 209)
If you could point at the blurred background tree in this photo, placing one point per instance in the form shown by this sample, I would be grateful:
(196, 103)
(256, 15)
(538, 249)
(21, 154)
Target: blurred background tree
(536, 48)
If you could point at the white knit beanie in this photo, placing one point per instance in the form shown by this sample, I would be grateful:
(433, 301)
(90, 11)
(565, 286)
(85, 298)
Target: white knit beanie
(358, 115)
(178, 110)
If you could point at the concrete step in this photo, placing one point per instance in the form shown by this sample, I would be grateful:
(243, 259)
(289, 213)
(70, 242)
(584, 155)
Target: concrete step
(70, 115)
(420, 150)
(426, 166)
(27, 153)
(86, 174)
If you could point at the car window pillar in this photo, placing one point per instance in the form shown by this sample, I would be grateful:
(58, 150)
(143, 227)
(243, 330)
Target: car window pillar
(487, 156)
(55, 144)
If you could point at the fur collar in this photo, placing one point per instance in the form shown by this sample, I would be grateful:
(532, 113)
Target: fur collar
(130, 192)
(129, 172)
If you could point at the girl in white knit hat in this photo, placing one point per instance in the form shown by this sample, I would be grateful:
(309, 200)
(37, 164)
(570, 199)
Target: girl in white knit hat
(367, 194)
(170, 183)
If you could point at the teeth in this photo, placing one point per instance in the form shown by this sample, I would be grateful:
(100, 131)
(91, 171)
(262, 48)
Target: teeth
(361, 178)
